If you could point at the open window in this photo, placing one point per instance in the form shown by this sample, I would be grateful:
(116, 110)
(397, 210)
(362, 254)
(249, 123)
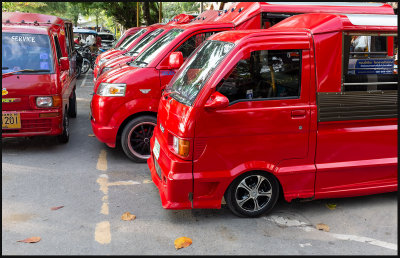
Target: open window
(369, 62)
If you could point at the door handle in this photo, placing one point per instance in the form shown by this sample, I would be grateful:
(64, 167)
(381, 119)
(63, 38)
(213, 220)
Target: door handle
(298, 113)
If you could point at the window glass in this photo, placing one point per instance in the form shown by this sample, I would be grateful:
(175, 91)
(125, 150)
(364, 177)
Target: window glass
(143, 42)
(369, 63)
(58, 48)
(189, 80)
(26, 51)
(148, 55)
(192, 43)
(264, 74)
(130, 39)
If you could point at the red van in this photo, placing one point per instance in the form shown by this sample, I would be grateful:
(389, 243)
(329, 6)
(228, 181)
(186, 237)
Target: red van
(302, 108)
(125, 102)
(39, 75)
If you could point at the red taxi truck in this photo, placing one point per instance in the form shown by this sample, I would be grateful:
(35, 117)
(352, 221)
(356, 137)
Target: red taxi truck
(125, 100)
(148, 40)
(38, 75)
(135, 39)
(296, 109)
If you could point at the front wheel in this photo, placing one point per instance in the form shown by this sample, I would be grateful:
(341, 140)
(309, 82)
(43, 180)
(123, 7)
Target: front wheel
(252, 194)
(85, 66)
(64, 137)
(135, 138)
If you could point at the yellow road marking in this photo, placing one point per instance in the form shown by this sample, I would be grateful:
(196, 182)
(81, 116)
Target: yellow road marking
(102, 233)
(102, 161)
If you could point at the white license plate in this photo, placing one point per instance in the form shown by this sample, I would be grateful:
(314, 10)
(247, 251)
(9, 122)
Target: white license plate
(156, 149)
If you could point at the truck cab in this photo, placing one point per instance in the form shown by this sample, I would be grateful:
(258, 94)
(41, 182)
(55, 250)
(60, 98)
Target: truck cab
(296, 108)
(39, 75)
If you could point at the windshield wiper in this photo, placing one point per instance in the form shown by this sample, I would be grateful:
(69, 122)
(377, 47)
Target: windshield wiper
(171, 92)
(140, 62)
(24, 71)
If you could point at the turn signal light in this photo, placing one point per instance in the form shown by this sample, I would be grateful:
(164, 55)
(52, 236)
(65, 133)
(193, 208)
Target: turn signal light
(181, 147)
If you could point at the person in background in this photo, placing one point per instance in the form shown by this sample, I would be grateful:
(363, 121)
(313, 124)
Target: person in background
(78, 40)
(98, 42)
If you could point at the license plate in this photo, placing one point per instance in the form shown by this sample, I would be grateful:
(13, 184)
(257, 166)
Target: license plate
(11, 121)
(156, 149)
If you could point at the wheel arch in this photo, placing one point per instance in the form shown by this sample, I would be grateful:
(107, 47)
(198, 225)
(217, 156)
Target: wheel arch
(130, 118)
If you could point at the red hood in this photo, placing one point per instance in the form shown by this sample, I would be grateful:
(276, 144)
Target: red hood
(116, 75)
(117, 61)
(112, 53)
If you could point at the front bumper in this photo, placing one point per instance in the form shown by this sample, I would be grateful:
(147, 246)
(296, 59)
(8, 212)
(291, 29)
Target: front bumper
(32, 124)
(105, 134)
(174, 179)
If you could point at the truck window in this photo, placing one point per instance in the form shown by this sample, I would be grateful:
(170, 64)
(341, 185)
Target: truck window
(369, 63)
(58, 48)
(265, 74)
(193, 42)
(270, 19)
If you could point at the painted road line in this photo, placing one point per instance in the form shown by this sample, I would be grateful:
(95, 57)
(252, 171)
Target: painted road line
(84, 81)
(306, 227)
(102, 233)
(102, 161)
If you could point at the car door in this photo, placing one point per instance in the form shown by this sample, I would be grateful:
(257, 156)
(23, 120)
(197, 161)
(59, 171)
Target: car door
(267, 120)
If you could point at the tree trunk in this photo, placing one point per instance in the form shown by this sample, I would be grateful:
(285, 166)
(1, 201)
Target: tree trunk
(146, 13)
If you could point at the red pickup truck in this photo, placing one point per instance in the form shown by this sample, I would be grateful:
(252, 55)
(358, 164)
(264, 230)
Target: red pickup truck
(39, 75)
(124, 106)
(302, 108)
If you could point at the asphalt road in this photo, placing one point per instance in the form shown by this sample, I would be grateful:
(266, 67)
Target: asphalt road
(97, 185)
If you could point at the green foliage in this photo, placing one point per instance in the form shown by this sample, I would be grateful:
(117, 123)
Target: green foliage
(170, 9)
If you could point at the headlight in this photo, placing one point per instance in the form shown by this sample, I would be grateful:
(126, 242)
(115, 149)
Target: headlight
(48, 101)
(102, 61)
(44, 101)
(180, 146)
(111, 89)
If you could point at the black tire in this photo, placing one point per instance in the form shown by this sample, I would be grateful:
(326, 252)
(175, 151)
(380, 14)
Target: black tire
(85, 66)
(135, 138)
(246, 188)
(73, 106)
(64, 137)
(78, 71)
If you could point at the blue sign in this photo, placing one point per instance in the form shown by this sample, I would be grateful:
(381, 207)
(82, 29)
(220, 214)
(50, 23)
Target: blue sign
(374, 66)
(167, 73)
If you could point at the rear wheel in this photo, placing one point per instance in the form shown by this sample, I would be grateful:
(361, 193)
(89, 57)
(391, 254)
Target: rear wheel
(135, 138)
(72, 110)
(252, 194)
(64, 137)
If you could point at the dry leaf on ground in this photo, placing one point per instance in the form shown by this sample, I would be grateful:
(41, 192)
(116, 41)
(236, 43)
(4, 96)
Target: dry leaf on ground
(128, 216)
(56, 208)
(30, 240)
(91, 135)
(331, 206)
(182, 242)
(322, 226)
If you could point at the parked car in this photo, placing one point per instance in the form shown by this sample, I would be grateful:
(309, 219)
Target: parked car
(39, 75)
(107, 40)
(137, 87)
(256, 113)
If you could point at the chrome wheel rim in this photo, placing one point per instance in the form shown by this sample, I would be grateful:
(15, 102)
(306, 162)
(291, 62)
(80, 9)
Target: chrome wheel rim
(253, 193)
(139, 139)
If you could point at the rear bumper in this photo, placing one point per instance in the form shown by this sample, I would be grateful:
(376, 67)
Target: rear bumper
(32, 124)
(174, 181)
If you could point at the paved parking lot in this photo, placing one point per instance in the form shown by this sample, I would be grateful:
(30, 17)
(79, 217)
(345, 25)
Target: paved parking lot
(96, 184)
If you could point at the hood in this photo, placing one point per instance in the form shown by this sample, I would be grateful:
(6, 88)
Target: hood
(116, 75)
(112, 53)
(117, 61)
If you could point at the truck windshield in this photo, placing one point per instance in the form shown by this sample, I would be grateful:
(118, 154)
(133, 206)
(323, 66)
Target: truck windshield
(151, 52)
(130, 39)
(26, 52)
(189, 80)
(143, 42)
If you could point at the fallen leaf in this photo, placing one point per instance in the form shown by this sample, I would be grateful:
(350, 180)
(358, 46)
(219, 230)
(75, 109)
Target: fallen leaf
(182, 242)
(331, 206)
(30, 240)
(322, 226)
(91, 135)
(56, 208)
(128, 216)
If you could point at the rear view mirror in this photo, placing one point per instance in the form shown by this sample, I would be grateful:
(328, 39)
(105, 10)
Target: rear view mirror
(64, 63)
(175, 60)
(216, 101)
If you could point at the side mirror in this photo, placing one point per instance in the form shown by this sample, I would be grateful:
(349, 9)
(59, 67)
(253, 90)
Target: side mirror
(175, 60)
(216, 101)
(64, 63)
